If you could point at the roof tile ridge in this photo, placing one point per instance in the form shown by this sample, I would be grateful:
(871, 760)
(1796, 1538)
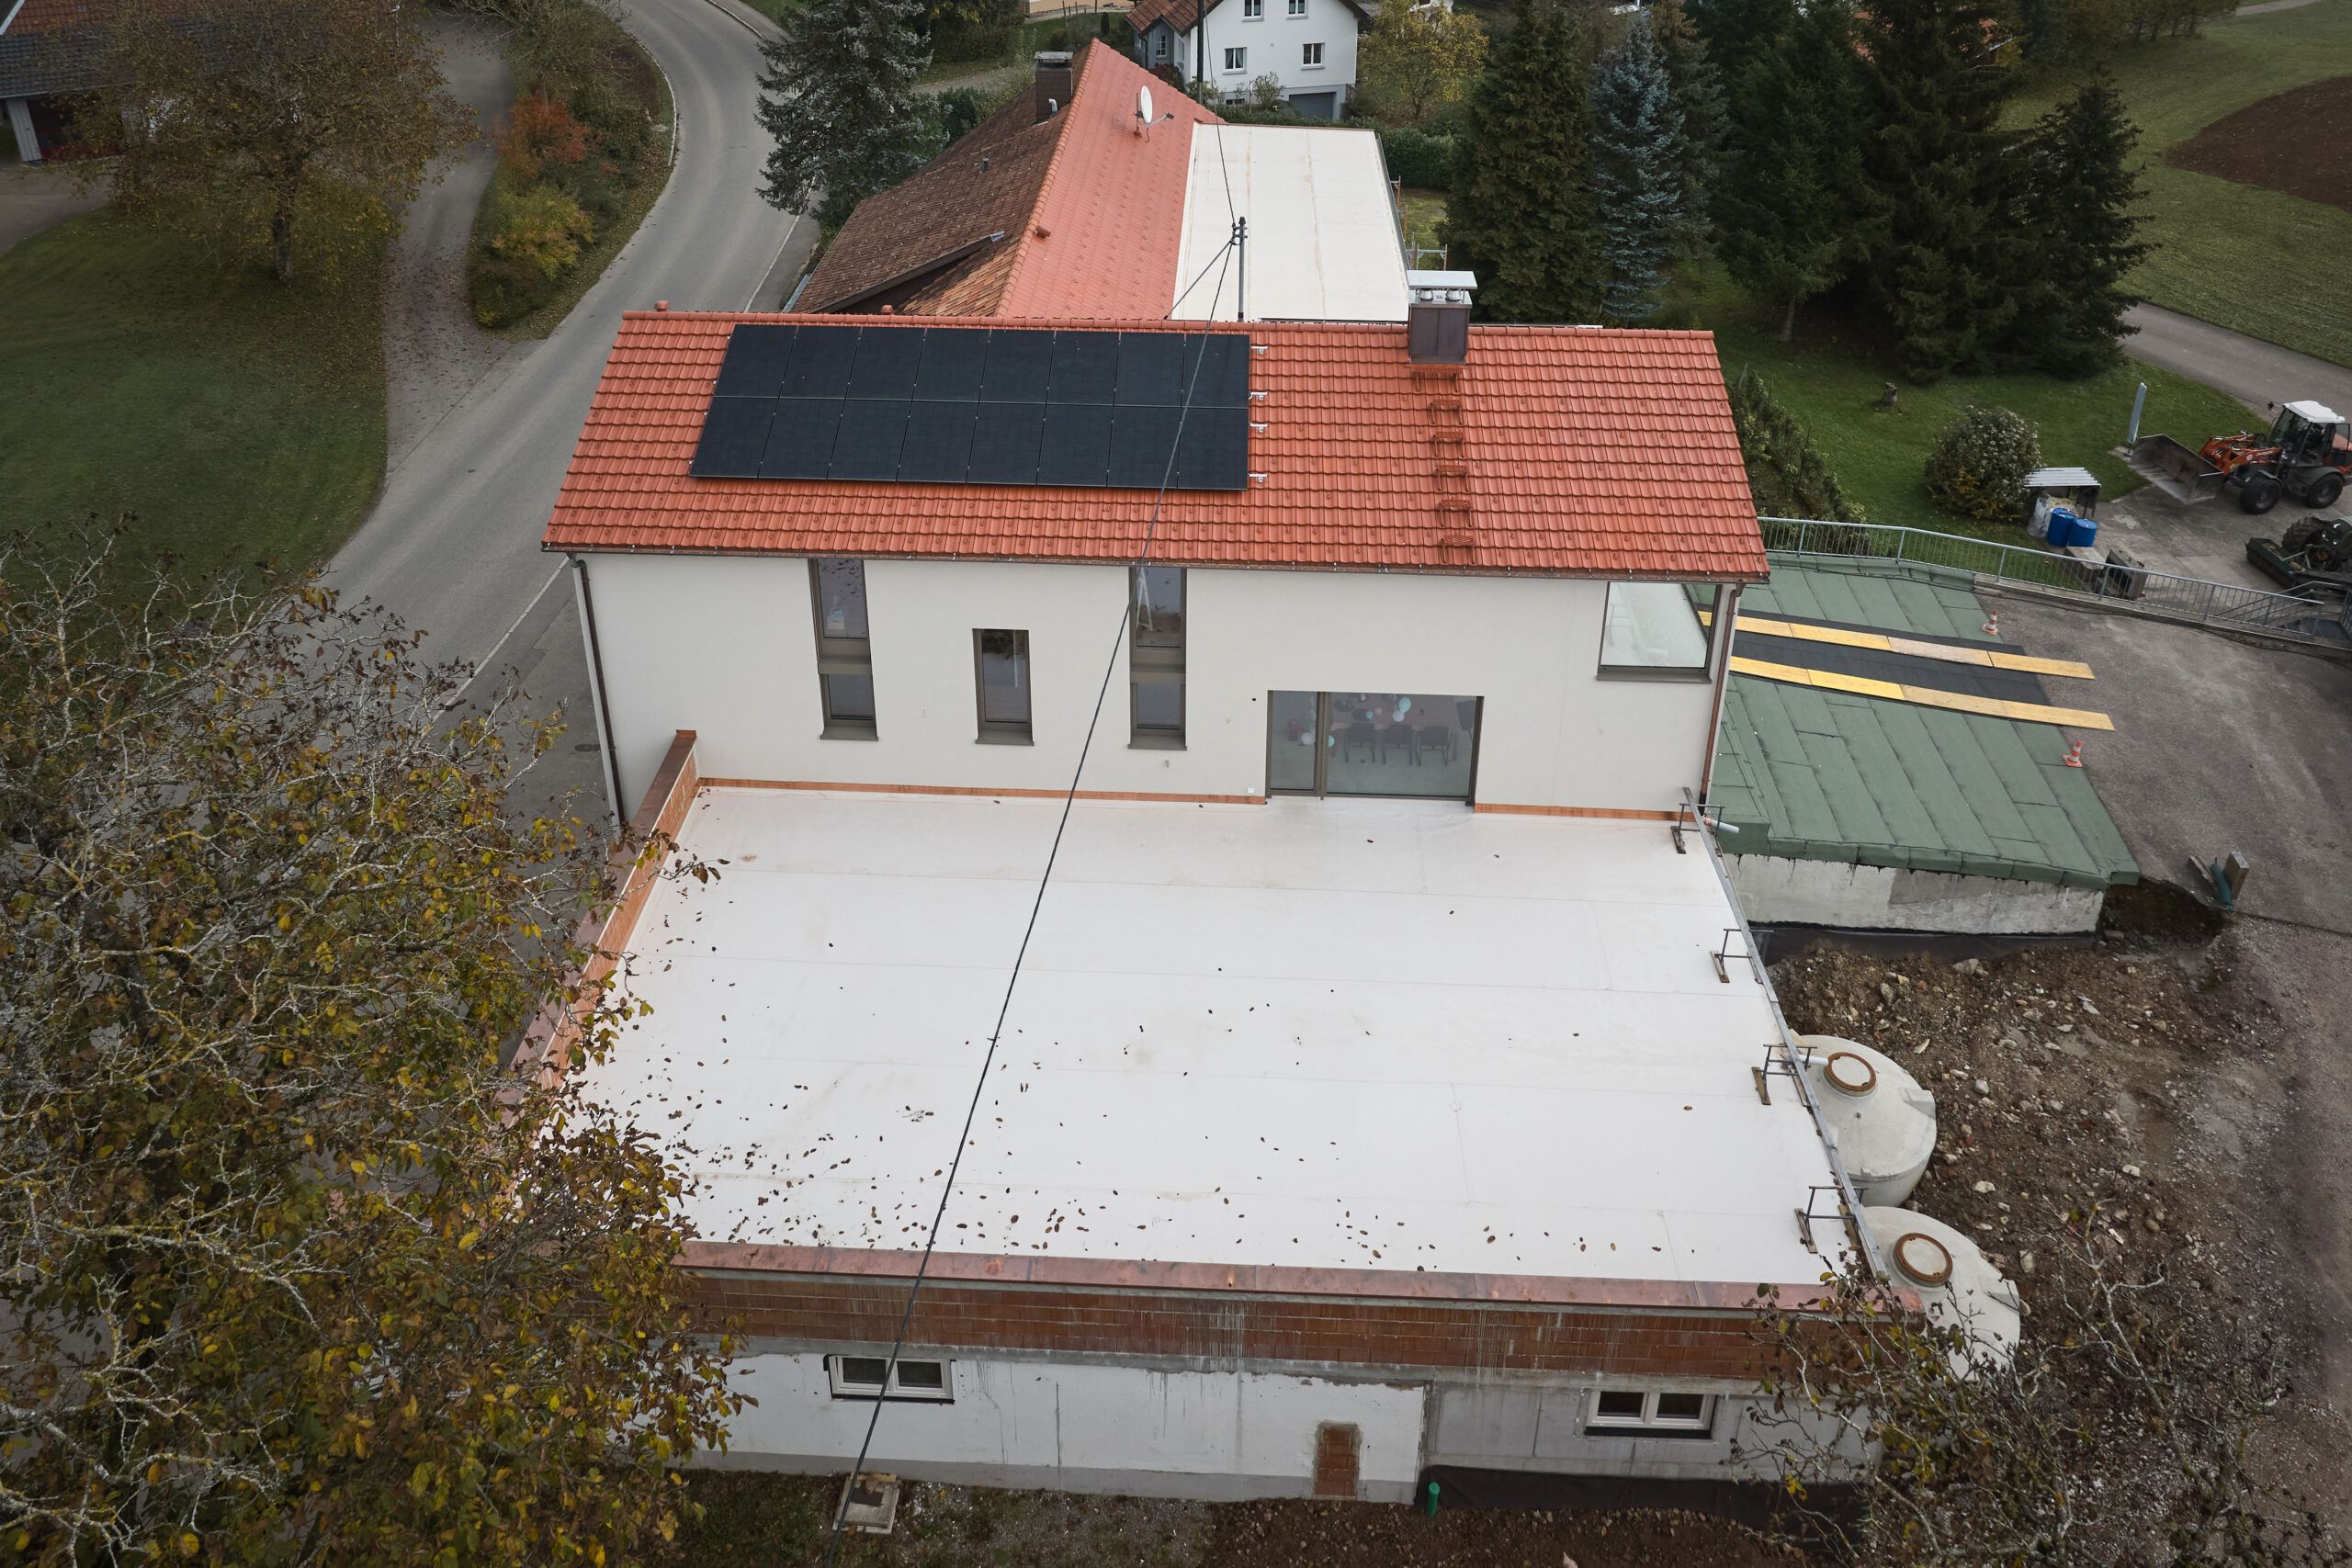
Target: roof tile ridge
(1068, 117)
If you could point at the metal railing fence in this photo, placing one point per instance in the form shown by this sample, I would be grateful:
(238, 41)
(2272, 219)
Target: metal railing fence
(2317, 619)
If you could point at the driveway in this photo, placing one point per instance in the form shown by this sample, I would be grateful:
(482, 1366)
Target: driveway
(453, 543)
(34, 196)
(2255, 373)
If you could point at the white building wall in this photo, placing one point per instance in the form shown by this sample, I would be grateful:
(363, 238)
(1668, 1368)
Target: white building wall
(1274, 42)
(1083, 1428)
(725, 647)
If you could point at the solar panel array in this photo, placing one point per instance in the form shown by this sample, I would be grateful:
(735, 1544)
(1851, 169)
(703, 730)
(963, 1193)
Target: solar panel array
(980, 405)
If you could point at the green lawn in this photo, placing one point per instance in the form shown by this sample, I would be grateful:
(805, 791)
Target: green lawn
(1832, 384)
(2269, 265)
(239, 420)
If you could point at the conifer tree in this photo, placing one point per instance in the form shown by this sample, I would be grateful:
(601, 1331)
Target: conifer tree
(1736, 31)
(2080, 230)
(1521, 214)
(1638, 194)
(1699, 94)
(1790, 208)
(1942, 256)
(838, 94)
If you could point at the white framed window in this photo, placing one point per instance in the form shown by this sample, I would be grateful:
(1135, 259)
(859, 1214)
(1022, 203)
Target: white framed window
(1654, 630)
(1159, 49)
(1310, 54)
(1621, 1411)
(1251, 10)
(1297, 7)
(863, 1376)
(1237, 59)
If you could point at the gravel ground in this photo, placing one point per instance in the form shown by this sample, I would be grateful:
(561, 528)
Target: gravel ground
(434, 352)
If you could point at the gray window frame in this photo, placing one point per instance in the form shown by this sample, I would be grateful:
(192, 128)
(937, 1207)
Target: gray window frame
(1156, 663)
(837, 1379)
(1710, 626)
(852, 656)
(1322, 790)
(1000, 731)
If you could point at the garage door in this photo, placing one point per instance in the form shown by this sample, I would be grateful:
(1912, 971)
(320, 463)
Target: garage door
(1317, 106)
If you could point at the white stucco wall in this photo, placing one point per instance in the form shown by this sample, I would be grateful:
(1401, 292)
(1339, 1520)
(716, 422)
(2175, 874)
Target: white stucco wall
(1083, 1428)
(1520, 1424)
(725, 647)
(1777, 891)
(1274, 41)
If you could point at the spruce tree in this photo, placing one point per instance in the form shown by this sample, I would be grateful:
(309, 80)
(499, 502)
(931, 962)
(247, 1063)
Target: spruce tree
(1736, 31)
(838, 94)
(1699, 94)
(2079, 192)
(1944, 254)
(1638, 194)
(1521, 214)
(1791, 210)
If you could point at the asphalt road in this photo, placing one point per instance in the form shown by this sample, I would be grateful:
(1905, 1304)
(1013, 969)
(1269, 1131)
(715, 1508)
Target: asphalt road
(2254, 372)
(452, 546)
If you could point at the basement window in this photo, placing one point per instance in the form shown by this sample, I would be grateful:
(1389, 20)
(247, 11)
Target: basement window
(864, 1377)
(1629, 1412)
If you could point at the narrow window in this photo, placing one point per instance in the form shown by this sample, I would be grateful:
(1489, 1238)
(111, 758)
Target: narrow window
(1001, 661)
(1627, 1412)
(1298, 8)
(1237, 59)
(1654, 629)
(873, 1377)
(1252, 9)
(1155, 657)
(1310, 54)
(845, 658)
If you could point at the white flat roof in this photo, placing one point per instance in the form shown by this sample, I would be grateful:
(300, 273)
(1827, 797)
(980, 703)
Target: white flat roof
(1369, 1034)
(1322, 240)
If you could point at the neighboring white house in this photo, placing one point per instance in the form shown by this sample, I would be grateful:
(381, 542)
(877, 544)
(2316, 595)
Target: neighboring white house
(1308, 46)
(1388, 1096)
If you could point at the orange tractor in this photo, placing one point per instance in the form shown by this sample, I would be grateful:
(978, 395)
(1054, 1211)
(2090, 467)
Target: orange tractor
(2307, 455)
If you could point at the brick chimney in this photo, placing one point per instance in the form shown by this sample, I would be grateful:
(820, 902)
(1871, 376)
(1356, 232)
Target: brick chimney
(1437, 316)
(1056, 82)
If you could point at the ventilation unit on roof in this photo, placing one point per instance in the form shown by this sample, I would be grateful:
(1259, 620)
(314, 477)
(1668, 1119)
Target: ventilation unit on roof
(1437, 316)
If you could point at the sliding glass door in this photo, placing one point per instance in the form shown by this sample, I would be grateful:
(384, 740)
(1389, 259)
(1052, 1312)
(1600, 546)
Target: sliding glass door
(1395, 743)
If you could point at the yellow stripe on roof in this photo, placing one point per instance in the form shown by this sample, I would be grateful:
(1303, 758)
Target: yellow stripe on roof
(1983, 657)
(1920, 697)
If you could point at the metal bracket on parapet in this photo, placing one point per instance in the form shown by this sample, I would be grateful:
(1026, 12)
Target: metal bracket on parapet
(1777, 1064)
(1722, 955)
(1837, 1210)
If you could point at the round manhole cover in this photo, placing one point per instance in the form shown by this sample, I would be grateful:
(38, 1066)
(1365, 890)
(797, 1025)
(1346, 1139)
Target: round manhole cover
(1849, 1074)
(1923, 1258)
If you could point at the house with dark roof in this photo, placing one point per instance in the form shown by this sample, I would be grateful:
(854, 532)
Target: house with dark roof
(1381, 1098)
(1307, 48)
(51, 52)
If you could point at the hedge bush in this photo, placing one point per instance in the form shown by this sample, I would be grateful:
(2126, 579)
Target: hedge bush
(1417, 158)
(1978, 466)
(1786, 471)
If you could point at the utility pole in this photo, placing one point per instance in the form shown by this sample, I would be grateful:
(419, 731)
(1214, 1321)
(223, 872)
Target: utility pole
(1241, 269)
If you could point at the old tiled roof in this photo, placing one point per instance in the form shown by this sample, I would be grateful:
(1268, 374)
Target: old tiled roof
(1091, 212)
(1555, 450)
(55, 46)
(1181, 14)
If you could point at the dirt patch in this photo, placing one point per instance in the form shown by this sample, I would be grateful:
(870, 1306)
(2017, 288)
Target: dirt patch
(2299, 142)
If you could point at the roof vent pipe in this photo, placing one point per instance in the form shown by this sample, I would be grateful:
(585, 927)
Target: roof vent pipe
(1055, 81)
(1437, 316)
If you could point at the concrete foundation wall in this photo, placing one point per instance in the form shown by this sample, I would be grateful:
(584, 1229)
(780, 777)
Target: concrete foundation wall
(1777, 891)
(1217, 1435)
(725, 647)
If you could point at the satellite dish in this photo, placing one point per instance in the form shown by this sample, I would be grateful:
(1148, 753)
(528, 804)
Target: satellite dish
(1143, 104)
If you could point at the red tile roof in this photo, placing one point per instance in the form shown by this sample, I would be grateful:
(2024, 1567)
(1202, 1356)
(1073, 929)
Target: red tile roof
(1556, 450)
(1091, 208)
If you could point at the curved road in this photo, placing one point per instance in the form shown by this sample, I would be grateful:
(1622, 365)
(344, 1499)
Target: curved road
(2254, 372)
(453, 545)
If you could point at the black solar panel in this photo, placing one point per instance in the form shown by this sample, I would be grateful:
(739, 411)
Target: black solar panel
(1019, 363)
(1005, 438)
(734, 433)
(800, 443)
(887, 363)
(866, 448)
(1077, 447)
(979, 406)
(938, 448)
(821, 362)
(952, 357)
(755, 360)
(1139, 442)
(1086, 367)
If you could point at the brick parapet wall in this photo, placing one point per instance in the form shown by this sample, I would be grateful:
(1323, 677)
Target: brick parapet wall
(1247, 1329)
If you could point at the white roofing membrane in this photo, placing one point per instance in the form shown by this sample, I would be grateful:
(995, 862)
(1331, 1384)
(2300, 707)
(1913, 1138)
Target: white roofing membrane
(1320, 1034)
(1322, 239)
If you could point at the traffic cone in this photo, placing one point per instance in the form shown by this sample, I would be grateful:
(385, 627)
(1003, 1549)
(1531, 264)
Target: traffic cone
(1993, 623)
(2074, 755)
